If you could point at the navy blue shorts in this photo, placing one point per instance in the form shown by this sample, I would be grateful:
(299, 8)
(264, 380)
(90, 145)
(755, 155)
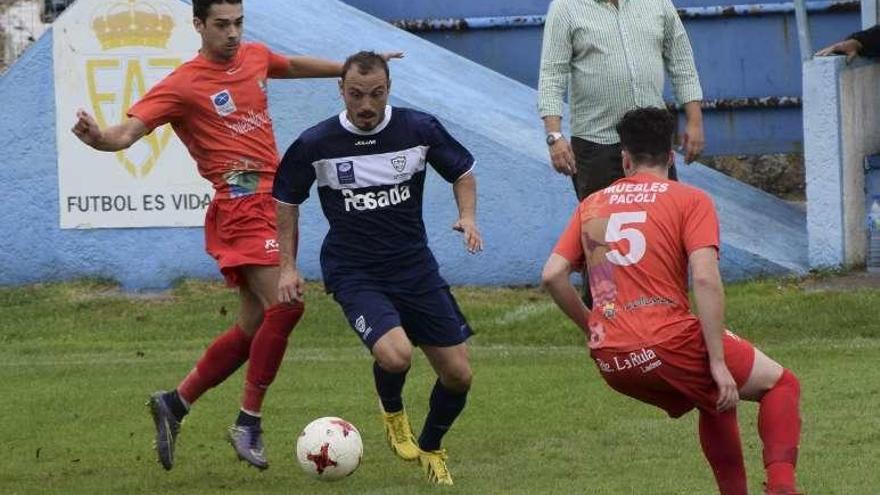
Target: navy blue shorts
(430, 318)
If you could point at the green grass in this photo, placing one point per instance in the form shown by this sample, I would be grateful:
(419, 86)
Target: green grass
(78, 360)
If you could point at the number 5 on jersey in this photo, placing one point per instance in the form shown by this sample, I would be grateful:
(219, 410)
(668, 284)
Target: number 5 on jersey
(616, 232)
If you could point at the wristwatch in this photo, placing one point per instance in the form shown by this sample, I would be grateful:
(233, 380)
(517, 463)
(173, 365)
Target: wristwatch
(552, 137)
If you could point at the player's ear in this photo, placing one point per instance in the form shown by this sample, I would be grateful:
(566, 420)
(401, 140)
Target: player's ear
(670, 160)
(198, 25)
(627, 162)
(341, 84)
(389, 85)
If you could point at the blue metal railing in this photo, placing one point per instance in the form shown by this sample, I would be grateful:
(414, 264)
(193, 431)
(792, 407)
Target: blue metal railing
(518, 21)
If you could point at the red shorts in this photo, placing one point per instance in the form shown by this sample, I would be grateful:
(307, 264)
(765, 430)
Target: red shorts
(241, 232)
(674, 375)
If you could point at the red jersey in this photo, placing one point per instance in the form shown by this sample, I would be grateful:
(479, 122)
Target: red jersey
(221, 113)
(636, 236)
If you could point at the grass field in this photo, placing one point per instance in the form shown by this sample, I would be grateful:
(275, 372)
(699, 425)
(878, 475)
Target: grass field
(78, 360)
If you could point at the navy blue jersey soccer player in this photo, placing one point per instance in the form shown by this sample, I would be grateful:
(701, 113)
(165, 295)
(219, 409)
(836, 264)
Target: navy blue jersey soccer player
(370, 164)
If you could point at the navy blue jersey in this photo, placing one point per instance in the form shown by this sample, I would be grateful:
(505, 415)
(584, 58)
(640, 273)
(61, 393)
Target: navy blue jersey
(371, 185)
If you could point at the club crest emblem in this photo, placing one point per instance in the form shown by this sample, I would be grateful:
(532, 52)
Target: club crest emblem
(399, 163)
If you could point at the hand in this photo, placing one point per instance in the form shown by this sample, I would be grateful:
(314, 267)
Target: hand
(850, 48)
(290, 286)
(728, 395)
(562, 157)
(86, 128)
(472, 238)
(387, 56)
(693, 141)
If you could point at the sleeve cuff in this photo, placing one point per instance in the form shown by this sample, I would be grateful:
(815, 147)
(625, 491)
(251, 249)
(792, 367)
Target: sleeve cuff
(286, 203)
(150, 125)
(467, 172)
(550, 109)
(689, 93)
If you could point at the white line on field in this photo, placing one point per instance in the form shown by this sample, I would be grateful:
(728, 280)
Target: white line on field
(520, 314)
(293, 355)
(330, 354)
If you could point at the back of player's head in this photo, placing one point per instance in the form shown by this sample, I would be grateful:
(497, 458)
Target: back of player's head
(646, 134)
(201, 7)
(365, 62)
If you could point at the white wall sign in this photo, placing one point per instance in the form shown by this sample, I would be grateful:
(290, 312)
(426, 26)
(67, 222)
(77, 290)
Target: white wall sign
(107, 55)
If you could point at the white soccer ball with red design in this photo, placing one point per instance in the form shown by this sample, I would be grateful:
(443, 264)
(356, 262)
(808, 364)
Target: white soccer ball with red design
(329, 448)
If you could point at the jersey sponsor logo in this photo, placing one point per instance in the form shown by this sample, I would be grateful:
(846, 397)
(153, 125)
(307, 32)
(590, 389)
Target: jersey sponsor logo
(249, 123)
(223, 103)
(644, 301)
(367, 142)
(242, 182)
(272, 246)
(626, 194)
(345, 172)
(644, 359)
(604, 366)
(375, 200)
(399, 163)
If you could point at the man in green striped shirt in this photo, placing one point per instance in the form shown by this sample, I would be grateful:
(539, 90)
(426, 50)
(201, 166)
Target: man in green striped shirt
(611, 56)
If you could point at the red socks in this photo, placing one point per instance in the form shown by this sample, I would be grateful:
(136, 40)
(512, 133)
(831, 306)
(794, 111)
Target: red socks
(779, 425)
(225, 355)
(719, 437)
(267, 352)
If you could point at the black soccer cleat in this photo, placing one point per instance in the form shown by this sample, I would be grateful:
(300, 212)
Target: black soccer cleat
(167, 428)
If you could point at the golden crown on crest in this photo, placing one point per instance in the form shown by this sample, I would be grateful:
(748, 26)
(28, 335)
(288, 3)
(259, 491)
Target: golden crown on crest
(133, 23)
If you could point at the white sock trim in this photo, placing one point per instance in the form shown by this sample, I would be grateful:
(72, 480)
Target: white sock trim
(252, 413)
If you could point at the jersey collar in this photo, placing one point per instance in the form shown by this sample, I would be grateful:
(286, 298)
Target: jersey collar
(348, 126)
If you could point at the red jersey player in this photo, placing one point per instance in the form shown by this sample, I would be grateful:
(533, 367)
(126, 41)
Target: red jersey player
(217, 105)
(638, 237)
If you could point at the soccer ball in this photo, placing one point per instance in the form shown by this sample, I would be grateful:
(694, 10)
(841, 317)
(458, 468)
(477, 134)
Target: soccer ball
(329, 448)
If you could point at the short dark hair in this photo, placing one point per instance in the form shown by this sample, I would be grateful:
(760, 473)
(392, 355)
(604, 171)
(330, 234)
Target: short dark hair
(201, 7)
(365, 62)
(646, 134)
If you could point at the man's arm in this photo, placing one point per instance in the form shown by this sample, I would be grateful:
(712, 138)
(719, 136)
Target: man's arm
(290, 284)
(709, 294)
(869, 40)
(561, 154)
(114, 138)
(465, 190)
(694, 139)
(556, 54)
(304, 67)
(556, 280)
(678, 57)
(866, 43)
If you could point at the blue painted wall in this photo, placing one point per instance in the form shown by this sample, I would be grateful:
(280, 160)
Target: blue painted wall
(33, 248)
(737, 57)
(523, 205)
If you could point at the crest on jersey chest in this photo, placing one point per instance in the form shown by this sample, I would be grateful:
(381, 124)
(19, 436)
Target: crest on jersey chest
(399, 163)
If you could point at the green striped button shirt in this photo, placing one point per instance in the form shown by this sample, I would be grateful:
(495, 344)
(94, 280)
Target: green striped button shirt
(614, 59)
